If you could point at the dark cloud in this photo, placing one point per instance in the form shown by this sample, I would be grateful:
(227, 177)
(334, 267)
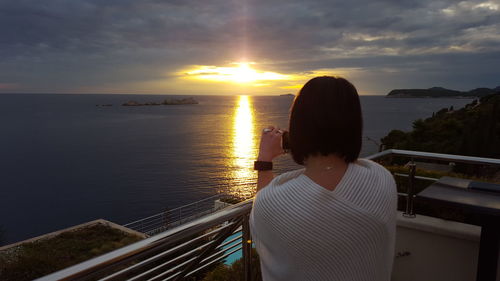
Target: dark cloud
(57, 45)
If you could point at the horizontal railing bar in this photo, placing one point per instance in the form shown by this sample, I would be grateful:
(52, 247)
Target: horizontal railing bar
(176, 248)
(152, 225)
(149, 224)
(176, 209)
(435, 156)
(185, 255)
(417, 177)
(191, 259)
(173, 269)
(172, 260)
(201, 267)
(162, 219)
(220, 252)
(205, 259)
(188, 229)
(216, 260)
(230, 241)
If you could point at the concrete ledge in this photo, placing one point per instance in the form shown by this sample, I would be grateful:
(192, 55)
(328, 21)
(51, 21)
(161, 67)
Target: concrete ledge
(441, 227)
(429, 248)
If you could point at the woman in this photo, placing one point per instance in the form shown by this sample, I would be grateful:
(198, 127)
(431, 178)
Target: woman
(336, 218)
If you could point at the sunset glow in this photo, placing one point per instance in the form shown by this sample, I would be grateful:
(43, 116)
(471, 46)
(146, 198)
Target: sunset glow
(242, 76)
(238, 72)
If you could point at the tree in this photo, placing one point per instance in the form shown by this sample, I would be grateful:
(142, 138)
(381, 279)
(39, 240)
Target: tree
(472, 130)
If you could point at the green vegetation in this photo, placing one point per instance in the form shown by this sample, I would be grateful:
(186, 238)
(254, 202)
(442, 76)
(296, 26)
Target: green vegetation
(231, 199)
(473, 130)
(439, 92)
(32, 260)
(235, 271)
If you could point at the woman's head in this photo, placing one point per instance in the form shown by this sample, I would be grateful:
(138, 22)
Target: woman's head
(326, 119)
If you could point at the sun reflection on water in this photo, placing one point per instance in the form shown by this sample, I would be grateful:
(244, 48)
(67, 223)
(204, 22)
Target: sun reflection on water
(244, 150)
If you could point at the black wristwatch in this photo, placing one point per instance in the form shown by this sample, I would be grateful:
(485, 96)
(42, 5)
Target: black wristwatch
(262, 165)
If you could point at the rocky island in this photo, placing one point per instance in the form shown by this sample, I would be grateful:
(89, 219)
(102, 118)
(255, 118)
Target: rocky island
(439, 92)
(287, 95)
(169, 101)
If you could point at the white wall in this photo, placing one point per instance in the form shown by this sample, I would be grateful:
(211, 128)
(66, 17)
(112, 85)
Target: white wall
(439, 250)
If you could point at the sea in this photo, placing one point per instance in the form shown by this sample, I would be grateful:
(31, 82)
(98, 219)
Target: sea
(65, 159)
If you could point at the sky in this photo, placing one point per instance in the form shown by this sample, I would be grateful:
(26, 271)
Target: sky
(261, 47)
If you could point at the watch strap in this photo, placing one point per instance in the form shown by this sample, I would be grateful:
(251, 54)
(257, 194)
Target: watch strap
(262, 165)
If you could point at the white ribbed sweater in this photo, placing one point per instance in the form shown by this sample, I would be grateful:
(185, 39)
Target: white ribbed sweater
(304, 232)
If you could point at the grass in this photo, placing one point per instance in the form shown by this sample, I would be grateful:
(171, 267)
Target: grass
(35, 259)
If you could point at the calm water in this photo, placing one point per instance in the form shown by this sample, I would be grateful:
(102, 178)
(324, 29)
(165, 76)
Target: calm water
(64, 161)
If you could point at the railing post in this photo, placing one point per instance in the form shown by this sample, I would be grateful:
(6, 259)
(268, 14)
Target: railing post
(246, 239)
(409, 198)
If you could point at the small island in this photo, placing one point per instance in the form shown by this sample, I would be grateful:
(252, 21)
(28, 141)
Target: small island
(169, 101)
(439, 92)
(287, 95)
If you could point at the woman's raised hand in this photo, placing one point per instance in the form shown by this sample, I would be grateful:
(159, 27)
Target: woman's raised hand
(270, 144)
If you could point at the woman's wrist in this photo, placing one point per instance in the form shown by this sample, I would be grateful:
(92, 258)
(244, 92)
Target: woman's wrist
(264, 158)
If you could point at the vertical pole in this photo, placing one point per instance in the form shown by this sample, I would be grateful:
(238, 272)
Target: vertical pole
(247, 249)
(409, 199)
(489, 246)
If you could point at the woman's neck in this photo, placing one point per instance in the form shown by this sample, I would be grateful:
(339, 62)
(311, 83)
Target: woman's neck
(326, 171)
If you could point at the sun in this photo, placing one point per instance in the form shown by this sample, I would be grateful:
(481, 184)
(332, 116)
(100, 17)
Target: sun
(237, 72)
(244, 73)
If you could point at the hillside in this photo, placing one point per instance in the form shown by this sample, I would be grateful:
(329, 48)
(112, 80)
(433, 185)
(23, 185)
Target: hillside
(439, 92)
(473, 130)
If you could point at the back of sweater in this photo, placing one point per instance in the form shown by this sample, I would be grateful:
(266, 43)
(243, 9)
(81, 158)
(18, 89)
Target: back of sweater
(303, 231)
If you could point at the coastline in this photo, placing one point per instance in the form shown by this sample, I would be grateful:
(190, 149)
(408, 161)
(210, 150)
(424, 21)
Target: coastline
(430, 97)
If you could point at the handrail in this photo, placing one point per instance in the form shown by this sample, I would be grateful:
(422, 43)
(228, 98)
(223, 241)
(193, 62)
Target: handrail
(435, 156)
(235, 216)
(174, 209)
(162, 221)
(409, 212)
(172, 235)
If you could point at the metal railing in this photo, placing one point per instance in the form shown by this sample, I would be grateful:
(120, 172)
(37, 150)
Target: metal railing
(171, 255)
(174, 217)
(450, 158)
(184, 251)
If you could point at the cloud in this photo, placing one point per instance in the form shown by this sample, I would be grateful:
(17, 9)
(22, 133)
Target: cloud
(140, 46)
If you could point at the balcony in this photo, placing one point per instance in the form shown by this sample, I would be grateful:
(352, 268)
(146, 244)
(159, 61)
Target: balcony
(427, 247)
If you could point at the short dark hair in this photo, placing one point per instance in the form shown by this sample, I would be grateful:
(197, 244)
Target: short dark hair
(326, 119)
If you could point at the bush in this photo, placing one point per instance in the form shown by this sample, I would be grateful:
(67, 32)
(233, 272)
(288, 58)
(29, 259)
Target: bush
(32, 260)
(235, 272)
